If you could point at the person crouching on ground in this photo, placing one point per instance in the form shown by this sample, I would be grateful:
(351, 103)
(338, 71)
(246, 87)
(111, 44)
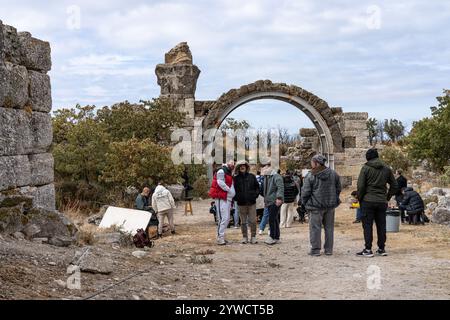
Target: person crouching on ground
(273, 199)
(247, 191)
(320, 195)
(222, 191)
(374, 196)
(163, 204)
(413, 204)
(142, 200)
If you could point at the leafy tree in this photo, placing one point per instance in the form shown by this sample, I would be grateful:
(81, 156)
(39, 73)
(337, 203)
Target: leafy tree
(80, 144)
(152, 119)
(380, 132)
(139, 162)
(396, 158)
(372, 127)
(394, 129)
(233, 124)
(429, 137)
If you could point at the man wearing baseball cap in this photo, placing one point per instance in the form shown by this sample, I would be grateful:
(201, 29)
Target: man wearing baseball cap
(320, 195)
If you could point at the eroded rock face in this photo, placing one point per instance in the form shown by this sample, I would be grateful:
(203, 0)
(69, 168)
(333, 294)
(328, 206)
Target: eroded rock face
(18, 213)
(441, 216)
(178, 75)
(179, 54)
(178, 79)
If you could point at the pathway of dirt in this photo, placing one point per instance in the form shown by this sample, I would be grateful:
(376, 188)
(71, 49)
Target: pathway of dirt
(418, 266)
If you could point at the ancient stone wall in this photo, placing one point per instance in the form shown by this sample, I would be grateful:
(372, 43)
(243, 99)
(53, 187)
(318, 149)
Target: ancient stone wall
(26, 165)
(356, 142)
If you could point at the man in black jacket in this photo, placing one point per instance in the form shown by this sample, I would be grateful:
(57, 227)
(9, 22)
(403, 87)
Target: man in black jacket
(374, 196)
(413, 204)
(247, 191)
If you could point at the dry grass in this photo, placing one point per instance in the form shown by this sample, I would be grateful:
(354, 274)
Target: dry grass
(72, 210)
(86, 235)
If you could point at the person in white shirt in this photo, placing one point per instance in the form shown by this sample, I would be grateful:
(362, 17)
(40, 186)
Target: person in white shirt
(163, 204)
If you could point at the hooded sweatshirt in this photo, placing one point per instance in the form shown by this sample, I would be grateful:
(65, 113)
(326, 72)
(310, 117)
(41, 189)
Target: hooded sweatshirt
(273, 186)
(373, 180)
(321, 189)
(162, 199)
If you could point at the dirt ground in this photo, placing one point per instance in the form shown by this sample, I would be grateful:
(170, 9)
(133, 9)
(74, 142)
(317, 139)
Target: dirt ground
(418, 266)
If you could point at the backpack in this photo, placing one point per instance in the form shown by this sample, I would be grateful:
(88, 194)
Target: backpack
(141, 240)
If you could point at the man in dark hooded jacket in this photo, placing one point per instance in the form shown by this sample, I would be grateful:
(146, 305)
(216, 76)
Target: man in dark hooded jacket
(320, 195)
(374, 196)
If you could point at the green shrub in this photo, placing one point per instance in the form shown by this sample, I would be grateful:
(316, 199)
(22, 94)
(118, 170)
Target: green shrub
(201, 187)
(395, 158)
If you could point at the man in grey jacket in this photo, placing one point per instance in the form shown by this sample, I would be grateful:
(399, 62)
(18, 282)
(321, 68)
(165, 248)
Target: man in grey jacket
(273, 199)
(320, 195)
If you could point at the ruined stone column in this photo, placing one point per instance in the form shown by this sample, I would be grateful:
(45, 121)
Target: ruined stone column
(177, 78)
(356, 143)
(26, 166)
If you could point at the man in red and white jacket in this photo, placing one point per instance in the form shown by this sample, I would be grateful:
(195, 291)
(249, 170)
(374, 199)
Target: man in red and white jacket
(222, 191)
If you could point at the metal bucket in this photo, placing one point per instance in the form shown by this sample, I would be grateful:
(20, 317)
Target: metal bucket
(392, 221)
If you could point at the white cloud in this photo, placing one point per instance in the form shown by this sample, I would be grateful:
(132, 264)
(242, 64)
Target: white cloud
(323, 46)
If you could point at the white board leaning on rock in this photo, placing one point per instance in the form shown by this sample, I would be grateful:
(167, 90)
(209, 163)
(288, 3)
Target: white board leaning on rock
(129, 220)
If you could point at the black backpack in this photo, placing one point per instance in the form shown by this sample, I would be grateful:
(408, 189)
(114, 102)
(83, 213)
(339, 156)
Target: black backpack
(141, 240)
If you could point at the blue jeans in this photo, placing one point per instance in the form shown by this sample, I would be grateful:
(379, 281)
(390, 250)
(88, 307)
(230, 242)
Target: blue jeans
(358, 214)
(265, 219)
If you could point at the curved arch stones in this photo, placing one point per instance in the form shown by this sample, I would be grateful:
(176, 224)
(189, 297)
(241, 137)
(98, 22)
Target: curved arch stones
(342, 136)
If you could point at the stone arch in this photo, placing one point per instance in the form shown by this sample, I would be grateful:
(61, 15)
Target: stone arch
(315, 108)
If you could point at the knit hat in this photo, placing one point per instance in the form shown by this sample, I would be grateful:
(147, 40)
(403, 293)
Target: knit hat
(372, 154)
(320, 159)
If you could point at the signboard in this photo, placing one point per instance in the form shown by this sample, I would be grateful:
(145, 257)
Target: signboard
(129, 220)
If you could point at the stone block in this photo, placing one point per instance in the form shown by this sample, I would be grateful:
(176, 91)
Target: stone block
(355, 125)
(356, 116)
(42, 130)
(308, 132)
(43, 196)
(22, 132)
(14, 86)
(42, 172)
(179, 54)
(10, 49)
(36, 53)
(40, 92)
(15, 171)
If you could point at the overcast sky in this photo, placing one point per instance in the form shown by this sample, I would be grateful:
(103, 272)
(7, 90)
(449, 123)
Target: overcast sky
(389, 58)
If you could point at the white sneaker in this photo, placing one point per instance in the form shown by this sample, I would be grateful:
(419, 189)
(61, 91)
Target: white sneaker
(260, 232)
(253, 240)
(270, 241)
(221, 242)
(244, 240)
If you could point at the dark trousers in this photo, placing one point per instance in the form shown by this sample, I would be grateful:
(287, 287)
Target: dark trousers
(274, 221)
(399, 199)
(373, 211)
